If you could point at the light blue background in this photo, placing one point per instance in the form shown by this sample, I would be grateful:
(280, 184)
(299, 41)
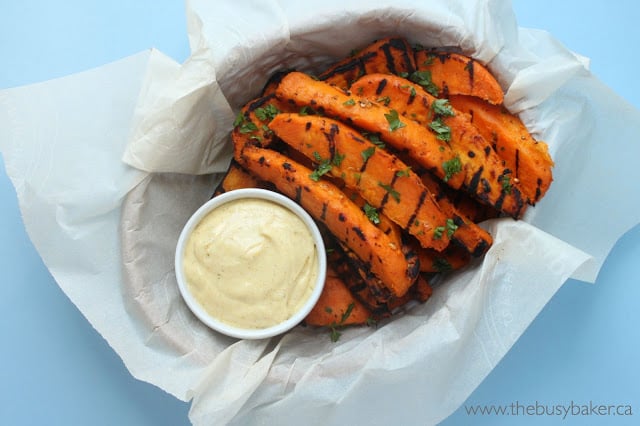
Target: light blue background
(56, 370)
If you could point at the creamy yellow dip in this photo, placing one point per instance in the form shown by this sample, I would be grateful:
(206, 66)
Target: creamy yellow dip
(251, 263)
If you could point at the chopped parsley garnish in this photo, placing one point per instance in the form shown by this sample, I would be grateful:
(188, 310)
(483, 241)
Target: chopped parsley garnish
(412, 90)
(404, 173)
(394, 194)
(371, 322)
(307, 110)
(248, 127)
(374, 138)
(441, 264)
(367, 153)
(371, 213)
(451, 167)
(429, 60)
(325, 165)
(423, 78)
(505, 179)
(335, 327)
(267, 113)
(243, 125)
(442, 131)
(239, 119)
(450, 227)
(384, 100)
(394, 120)
(442, 107)
(350, 102)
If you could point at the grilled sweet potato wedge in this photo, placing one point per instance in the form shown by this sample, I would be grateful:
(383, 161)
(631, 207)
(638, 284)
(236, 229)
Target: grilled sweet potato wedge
(251, 122)
(475, 240)
(272, 83)
(235, 178)
(420, 291)
(328, 205)
(485, 175)
(456, 74)
(385, 224)
(384, 181)
(403, 134)
(336, 305)
(366, 287)
(528, 158)
(393, 55)
(454, 257)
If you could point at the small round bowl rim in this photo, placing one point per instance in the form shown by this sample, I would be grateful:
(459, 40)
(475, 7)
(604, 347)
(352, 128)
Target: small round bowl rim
(230, 330)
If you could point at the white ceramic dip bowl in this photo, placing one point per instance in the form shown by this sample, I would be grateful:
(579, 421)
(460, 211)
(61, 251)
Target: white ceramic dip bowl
(250, 263)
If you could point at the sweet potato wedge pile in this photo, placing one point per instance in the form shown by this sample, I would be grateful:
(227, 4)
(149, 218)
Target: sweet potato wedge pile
(397, 153)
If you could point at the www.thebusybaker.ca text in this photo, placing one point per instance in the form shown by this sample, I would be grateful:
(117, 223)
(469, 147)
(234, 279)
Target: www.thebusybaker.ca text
(537, 408)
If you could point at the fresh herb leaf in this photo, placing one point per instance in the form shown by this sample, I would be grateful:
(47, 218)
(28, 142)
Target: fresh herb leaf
(307, 110)
(394, 194)
(451, 227)
(404, 173)
(394, 120)
(248, 127)
(324, 166)
(367, 153)
(442, 107)
(267, 113)
(384, 100)
(441, 264)
(442, 131)
(429, 60)
(371, 322)
(350, 102)
(347, 313)
(374, 138)
(412, 90)
(505, 179)
(239, 119)
(371, 213)
(438, 232)
(335, 327)
(335, 334)
(423, 78)
(451, 167)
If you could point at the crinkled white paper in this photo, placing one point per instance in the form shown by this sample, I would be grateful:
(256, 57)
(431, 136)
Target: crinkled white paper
(106, 228)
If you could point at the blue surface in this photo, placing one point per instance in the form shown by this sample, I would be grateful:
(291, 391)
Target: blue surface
(55, 369)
